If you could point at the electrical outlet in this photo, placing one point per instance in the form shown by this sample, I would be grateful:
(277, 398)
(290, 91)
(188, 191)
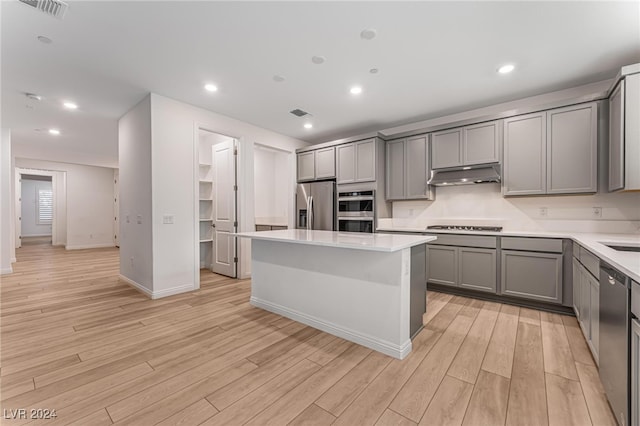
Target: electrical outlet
(596, 212)
(543, 212)
(127, 219)
(131, 261)
(139, 219)
(167, 219)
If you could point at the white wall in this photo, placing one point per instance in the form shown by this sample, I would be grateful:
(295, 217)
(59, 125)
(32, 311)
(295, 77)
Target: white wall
(29, 195)
(89, 202)
(484, 204)
(174, 172)
(271, 186)
(134, 147)
(6, 201)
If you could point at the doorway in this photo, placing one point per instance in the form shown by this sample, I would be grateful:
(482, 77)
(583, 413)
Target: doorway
(271, 188)
(40, 200)
(217, 202)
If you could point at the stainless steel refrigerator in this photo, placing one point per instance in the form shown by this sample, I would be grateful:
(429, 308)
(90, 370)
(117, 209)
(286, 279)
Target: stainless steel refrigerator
(315, 206)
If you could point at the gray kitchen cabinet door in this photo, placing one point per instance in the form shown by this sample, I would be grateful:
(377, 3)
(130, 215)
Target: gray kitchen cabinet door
(594, 341)
(446, 149)
(481, 144)
(395, 173)
(365, 161)
(532, 275)
(346, 163)
(326, 163)
(306, 166)
(416, 167)
(525, 155)
(585, 303)
(576, 288)
(616, 138)
(442, 265)
(477, 269)
(572, 149)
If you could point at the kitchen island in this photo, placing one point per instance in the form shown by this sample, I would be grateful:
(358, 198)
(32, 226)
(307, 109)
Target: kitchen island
(366, 288)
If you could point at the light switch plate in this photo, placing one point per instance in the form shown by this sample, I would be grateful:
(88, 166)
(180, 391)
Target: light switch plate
(167, 219)
(596, 212)
(139, 219)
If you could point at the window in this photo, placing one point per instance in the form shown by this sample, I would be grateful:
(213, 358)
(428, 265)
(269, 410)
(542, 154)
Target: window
(45, 206)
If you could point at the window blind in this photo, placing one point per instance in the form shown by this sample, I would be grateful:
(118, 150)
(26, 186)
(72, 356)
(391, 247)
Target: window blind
(45, 206)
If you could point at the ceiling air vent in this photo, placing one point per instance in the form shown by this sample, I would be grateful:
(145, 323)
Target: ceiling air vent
(299, 113)
(55, 8)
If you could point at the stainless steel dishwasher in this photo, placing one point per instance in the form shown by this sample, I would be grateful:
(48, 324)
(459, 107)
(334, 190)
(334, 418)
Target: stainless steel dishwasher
(614, 340)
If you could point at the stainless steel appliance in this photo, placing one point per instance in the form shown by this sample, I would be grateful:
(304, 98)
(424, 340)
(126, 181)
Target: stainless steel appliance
(614, 340)
(356, 211)
(315, 206)
(635, 354)
(466, 228)
(468, 175)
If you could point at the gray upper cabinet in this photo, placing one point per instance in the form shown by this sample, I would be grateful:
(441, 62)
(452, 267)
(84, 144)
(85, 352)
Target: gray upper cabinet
(356, 162)
(481, 144)
(525, 152)
(407, 169)
(325, 163)
(306, 166)
(346, 163)
(446, 149)
(317, 164)
(616, 141)
(552, 152)
(395, 170)
(532, 275)
(624, 135)
(572, 149)
(366, 161)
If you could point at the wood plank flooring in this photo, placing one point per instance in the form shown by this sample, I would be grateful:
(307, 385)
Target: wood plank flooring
(76, 339)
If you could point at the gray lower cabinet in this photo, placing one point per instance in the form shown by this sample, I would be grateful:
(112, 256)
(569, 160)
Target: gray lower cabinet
(477, 268)
(442, 265)
(532, 275)
(576, 288)
(635, 373)
(586, 296)
(466, 267)
(594, 327)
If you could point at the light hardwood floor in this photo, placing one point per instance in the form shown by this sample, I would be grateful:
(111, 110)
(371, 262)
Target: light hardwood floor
(78, 340)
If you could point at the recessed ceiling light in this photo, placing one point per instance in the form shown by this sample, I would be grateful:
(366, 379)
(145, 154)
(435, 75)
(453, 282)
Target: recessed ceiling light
(368, 34)
(506, 69)
(210, 87)
(54, 131)
(318, 60)
(45, 40)
(374, 70)
(70, 105)
(278, 78)
(355, 90)
(308, 125)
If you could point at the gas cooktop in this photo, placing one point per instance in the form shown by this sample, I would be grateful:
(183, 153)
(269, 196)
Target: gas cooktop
(466, 228)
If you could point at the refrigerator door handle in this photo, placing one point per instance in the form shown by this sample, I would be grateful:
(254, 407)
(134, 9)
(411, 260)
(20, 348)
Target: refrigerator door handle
(310, 221)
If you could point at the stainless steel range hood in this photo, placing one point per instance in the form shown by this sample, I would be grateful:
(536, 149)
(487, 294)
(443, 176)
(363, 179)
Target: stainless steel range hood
(466, 175)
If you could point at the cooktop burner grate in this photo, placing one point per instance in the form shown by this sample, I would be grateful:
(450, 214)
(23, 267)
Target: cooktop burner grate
(466, 228)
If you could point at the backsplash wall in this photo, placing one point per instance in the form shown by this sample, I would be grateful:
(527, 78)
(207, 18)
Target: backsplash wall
(483, 204)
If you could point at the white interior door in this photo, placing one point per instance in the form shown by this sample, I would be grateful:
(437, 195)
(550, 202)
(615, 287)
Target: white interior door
(224, 209)
(116, 208)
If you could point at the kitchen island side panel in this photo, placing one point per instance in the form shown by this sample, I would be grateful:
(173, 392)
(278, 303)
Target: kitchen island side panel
(361, 295)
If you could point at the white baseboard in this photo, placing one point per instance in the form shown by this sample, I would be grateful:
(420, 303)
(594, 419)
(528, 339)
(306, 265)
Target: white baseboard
(6, 271)
(142, 289)
(89, 246)
(14, 260)
(396, 351)
(158, 294)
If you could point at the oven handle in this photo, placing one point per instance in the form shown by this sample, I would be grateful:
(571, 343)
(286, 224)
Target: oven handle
(360, 218)
(355, 198)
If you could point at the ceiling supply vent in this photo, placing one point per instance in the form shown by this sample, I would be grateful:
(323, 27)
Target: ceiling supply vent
(55, 8)
(299, 113)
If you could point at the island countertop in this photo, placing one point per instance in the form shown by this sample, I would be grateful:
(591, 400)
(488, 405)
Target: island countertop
(349, 240)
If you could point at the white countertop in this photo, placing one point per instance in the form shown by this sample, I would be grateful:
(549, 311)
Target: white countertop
(626, 262)
(349, 240)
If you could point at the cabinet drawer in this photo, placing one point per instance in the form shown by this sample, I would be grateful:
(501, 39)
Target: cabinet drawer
(465, 240)
(532, 244)
(590, 261)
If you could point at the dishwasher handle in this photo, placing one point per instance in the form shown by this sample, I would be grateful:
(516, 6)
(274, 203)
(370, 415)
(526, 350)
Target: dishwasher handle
(613, 275)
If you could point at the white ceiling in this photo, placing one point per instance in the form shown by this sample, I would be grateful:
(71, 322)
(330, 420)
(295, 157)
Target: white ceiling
(434, 58)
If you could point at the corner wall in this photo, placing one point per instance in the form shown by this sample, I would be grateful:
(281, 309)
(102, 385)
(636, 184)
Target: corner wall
(134, 148)
(6, 200)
